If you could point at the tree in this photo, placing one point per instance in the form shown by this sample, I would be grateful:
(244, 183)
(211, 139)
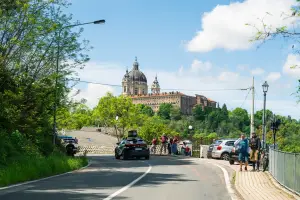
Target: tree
(240, 118)
(198, 113)
(109, 107)
(145, 110)
(28, 46)
(175, 113)
(164, 110)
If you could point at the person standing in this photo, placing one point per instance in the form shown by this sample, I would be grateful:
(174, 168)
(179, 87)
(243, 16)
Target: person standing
(164, 144)
(242, 146)
(169, 146)
(174, 146)
(255, 148)
(153, 147)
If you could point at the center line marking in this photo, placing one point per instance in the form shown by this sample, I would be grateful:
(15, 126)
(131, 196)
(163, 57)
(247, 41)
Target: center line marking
(129, 185)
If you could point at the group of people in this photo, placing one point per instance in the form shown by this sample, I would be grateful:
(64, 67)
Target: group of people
(170, 145)
(249, 151)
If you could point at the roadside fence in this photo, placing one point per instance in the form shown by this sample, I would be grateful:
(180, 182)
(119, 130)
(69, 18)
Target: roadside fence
(285, 168)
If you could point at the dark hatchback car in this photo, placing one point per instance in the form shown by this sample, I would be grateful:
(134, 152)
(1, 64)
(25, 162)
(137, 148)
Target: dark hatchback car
(211, 147)
(132, 147)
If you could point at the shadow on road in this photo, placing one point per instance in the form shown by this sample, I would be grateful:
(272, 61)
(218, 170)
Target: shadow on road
(104, 177)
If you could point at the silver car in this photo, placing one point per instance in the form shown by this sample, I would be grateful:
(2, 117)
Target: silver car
(223, 148)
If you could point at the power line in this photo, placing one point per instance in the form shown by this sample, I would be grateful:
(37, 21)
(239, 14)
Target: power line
(245, 99)
(174, 89)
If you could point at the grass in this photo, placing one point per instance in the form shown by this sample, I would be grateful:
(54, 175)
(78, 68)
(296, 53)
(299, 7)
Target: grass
(31, 168)
(233, 178)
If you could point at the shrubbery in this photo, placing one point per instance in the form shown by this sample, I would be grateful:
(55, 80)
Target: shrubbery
(22, 160)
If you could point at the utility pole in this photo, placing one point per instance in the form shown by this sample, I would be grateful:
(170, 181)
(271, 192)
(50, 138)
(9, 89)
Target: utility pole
(252, 110)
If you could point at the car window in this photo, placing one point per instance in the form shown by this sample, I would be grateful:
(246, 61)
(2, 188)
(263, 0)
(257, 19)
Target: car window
(229, 143)
(217, 142)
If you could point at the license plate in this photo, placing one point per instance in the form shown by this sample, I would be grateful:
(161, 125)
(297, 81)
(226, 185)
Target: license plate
(138, 149)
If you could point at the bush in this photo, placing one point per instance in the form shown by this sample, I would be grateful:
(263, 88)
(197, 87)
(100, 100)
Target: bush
(30, 168)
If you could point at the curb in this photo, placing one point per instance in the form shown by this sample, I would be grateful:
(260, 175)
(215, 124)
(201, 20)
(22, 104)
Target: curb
(46, 178)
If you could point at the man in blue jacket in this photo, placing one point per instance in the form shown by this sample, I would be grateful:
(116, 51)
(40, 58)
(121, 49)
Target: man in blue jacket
(242, 145)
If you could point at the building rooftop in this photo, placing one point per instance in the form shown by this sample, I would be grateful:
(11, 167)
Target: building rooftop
(157, 95)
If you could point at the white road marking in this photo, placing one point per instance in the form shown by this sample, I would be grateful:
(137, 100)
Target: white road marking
(227, 181)
(129, 185)
(28, 182)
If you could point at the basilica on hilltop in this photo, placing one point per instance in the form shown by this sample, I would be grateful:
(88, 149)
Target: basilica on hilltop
(134, 85)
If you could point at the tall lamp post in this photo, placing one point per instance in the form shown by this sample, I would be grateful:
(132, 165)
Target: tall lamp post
(265, 87)
(102, 21)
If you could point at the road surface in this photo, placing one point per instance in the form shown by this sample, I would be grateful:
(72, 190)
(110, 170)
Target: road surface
(163, 178)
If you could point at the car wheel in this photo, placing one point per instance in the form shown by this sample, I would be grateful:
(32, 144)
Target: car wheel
(231, 162)
(117, 156)
(225, 156)
(124, 155)
(147, 157)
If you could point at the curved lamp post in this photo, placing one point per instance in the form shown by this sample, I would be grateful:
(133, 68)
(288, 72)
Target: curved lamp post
(102, 21)
(265, 87)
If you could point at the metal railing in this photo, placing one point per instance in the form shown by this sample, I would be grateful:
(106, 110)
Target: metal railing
(285, 168)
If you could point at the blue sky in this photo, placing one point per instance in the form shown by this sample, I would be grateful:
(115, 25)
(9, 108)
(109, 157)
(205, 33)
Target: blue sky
(169, 36)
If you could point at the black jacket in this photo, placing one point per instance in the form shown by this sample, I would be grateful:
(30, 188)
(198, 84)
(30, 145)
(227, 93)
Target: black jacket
(255, 143)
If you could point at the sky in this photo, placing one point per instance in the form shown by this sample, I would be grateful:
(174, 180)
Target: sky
(191, 45)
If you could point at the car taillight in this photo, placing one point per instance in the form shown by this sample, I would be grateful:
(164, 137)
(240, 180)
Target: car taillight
(219, 148)
(233, 150)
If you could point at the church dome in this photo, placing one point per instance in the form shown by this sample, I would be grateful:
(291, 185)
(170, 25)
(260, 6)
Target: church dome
(135, 74)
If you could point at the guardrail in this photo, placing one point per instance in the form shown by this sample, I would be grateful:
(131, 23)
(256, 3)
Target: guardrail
(285, 168)
(110, 150)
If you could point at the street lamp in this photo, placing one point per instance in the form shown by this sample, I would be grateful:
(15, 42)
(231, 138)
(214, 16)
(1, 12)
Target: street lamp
(265, 87)
(102, 21)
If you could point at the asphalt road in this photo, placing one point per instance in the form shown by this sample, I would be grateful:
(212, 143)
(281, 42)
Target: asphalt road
(167, 178)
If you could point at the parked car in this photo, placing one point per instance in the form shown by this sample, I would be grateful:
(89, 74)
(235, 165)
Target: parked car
(211, 147)
(132, 147)
(223, 149)
(70, 145)
(233, 156)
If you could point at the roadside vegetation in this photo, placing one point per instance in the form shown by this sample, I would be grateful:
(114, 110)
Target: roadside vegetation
(208, 124)
(28, 52)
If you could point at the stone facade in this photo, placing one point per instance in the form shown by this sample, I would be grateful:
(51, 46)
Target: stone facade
(134, 82)
(134, 85)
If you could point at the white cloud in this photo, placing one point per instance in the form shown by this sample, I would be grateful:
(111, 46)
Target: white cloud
(273, 76)
(198, 65)
(186, 82)
(242, 67)
(292, 66)
(257, 71)
(224, 27)
(228, 76)
(92, 93)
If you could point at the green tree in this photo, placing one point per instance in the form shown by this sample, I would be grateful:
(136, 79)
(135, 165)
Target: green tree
(164, 110)
(109, 107)
(198, 113)
(28, 32)
(145, 110)
(175, 113)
